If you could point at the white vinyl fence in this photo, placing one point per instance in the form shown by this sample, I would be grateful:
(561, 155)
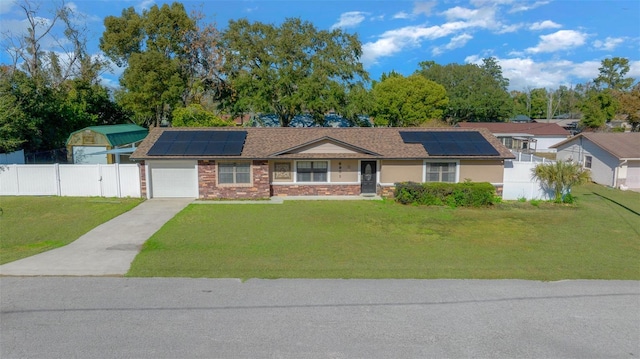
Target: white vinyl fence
(116, 180)
(519, 183)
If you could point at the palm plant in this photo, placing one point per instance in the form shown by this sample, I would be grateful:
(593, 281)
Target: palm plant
(561, 176)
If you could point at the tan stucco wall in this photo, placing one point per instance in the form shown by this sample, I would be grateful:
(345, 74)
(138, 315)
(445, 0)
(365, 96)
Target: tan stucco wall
(482, 171)
(392, 171)
(344, 170)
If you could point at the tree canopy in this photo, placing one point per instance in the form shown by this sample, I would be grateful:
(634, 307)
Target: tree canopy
(476, 93)
(407, 101)
(289, 69)
(171, 59)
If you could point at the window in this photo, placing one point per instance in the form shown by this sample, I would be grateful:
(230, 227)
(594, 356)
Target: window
(507, 142)
(587, 161)
(441, 172)
(230, 173)
(311, 171)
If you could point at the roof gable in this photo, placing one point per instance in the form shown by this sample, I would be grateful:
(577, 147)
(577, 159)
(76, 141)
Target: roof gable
(621, 145)
(325, 145)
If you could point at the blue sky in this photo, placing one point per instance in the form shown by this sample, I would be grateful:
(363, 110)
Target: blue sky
(538, 43)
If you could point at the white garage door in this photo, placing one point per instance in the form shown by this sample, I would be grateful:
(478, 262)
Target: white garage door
(633, 174)
(173, 179)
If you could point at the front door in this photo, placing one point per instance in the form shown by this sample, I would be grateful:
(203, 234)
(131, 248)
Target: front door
(368, 177)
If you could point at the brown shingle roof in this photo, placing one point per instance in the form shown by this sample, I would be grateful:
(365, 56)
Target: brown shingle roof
(533, 128)
(622, 145)
(267, 143)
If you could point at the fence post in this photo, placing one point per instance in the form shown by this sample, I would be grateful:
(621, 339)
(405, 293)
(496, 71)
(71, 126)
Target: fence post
(117, 169)
(56, 168)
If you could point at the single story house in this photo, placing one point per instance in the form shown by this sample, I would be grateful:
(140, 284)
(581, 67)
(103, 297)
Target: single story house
(104, 144)
(253, 163)
(524, 137)
(612, 158)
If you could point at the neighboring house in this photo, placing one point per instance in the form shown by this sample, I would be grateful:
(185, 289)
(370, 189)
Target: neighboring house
(249, 163)
(524, 137)
(104, 144)
(612, 158)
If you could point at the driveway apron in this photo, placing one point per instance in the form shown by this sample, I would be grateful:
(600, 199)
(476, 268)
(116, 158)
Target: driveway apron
(106, 250)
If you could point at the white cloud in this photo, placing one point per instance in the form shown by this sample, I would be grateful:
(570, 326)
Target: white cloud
(560, 40)
(509, 28)
(634, 69)
(456, 42)
(547, 24)
(524, 6)
(524, 72)
(482, 17)
(609, 44)
(402, 15)
(460, 19)
(349, 19)
(5, 7)
(423, 7)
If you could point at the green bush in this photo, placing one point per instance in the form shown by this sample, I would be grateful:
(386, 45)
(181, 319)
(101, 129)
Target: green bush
(467, 194)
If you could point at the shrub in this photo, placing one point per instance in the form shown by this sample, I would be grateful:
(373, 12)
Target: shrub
(467, 194)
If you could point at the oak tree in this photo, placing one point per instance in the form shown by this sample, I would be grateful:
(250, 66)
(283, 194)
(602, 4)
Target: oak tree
(290, 69)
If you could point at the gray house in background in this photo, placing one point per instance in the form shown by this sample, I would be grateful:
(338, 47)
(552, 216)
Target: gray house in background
(612, 158)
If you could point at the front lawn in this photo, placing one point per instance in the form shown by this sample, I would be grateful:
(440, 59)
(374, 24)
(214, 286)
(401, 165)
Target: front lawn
(31, 225)
(596, 238)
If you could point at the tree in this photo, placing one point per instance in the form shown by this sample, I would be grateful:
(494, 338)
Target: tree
(630, 107)
(195, 115)
(475, 93)
(289, 69)
(66, 60)
(560, 176)
(171, 59)
(612, 74)
(408, 101)
(598, 108)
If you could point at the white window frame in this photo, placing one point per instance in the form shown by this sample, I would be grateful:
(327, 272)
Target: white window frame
(588, 161)
(456, 164)
(295, 171)
(235, 174)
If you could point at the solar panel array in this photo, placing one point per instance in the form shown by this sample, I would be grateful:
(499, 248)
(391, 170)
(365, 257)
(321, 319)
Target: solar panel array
(451, 143)
(199, 143)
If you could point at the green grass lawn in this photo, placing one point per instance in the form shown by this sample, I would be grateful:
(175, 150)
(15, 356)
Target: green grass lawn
(594, 239)
(31, 225)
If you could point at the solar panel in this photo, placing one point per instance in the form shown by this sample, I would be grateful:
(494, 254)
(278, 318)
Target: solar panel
(195, 148)
(199, 143)
(451, 143)
(231, 148)
(159, 149)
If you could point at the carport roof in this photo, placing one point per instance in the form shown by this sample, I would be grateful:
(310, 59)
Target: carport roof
(117, 135)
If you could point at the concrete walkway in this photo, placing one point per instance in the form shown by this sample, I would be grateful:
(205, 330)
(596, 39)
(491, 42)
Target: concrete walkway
(106, 250)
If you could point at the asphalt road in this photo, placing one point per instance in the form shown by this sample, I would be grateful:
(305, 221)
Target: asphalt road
(102, 317)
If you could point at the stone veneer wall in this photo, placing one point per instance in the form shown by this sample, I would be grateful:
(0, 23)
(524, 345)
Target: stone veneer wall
(143, 179)
(316, 190)
(208, 188)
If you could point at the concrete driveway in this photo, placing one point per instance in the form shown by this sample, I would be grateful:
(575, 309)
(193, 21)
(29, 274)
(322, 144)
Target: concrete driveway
(106, 250)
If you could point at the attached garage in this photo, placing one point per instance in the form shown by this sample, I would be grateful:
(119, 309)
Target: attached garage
(173, 178)
(633, 174)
